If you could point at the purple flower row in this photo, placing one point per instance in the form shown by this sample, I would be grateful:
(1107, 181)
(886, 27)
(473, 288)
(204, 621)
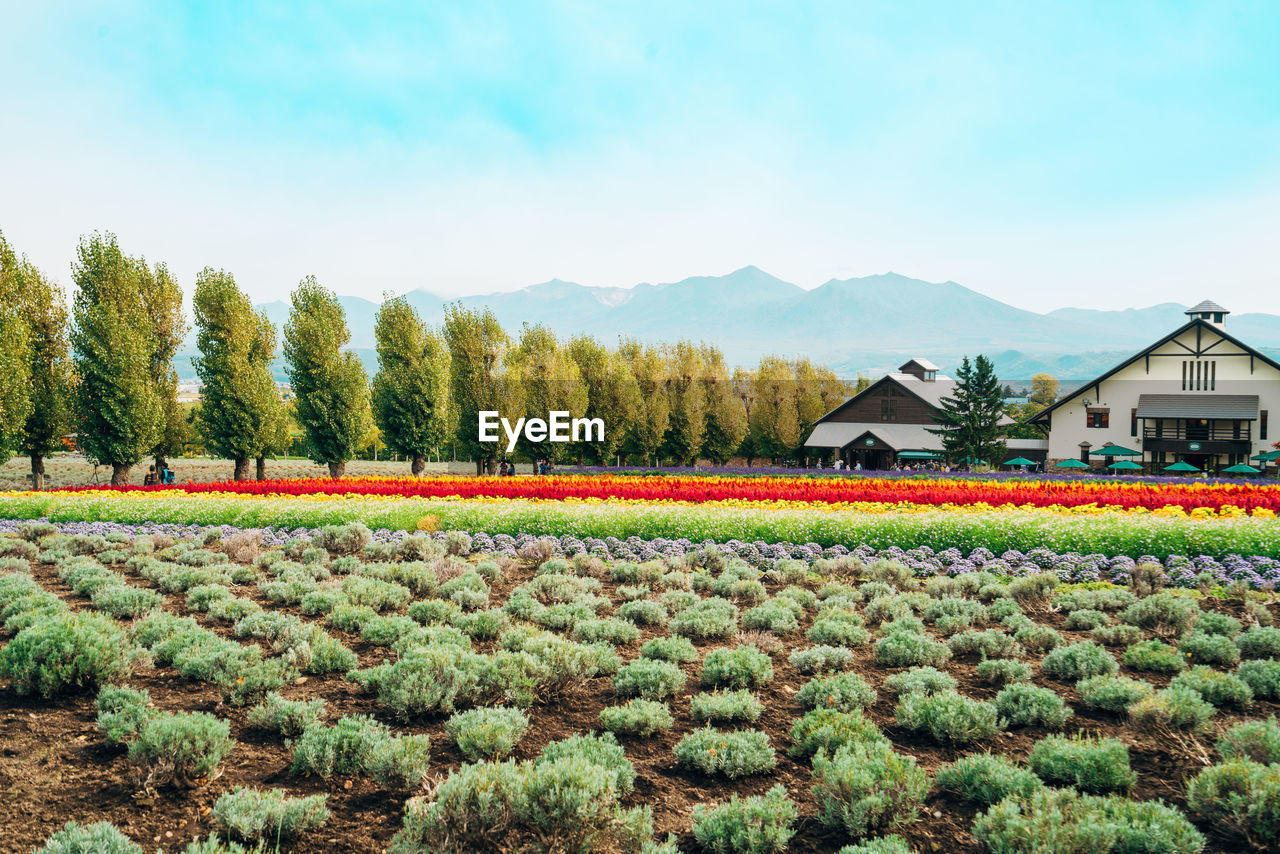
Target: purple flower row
(1183, 570)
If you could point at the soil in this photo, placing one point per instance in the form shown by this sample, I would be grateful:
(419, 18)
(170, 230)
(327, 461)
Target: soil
(54, 766)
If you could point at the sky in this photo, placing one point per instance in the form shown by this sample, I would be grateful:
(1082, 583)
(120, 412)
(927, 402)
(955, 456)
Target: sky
(1088, 154)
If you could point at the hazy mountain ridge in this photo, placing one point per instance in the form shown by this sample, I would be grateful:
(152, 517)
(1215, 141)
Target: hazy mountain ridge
(869, 324)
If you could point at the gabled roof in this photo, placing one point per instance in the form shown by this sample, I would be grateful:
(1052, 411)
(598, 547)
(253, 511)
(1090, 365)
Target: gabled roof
(900, 437)
(1208, 305)
(923, 363)
(1191, 324)
(929, 392)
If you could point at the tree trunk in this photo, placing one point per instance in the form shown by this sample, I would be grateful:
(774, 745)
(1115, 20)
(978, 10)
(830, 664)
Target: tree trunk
(37, 472)
(337, 470)
(120, 474)
(262, 468)
(161, 464)
(479, 466)
(491, 466)
(419, 463)
(242, 469)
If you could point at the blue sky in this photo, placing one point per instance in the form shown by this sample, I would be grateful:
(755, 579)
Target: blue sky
(1047, 154)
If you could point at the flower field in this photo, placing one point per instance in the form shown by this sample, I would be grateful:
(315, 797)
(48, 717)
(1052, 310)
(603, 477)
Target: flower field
(186, 689)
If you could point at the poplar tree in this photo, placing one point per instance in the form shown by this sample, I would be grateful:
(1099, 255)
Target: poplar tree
(775, 421)
(687, 427)
(15, 351)
(477, 347)
(613, 396)
(45, 310)
(329, 384)
(411, 389)
(654, 413)
(240, 410)
(726, 415)
(162, 304)
(549, 382)
(969, 421)
(118, 402)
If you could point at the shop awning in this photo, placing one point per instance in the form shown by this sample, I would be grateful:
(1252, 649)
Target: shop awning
(1226, 407)
(918, 455)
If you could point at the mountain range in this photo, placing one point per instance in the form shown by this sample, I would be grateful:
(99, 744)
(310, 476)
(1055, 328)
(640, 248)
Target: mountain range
(869, 325)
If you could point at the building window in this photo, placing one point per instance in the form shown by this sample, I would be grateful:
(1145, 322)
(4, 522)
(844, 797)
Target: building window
(1098, 418)
(888, 410)
(1262, 424)
(1199, 376)
(1133, 422)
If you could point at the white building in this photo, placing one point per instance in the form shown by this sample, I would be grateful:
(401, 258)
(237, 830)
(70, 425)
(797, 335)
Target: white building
(1198, 396)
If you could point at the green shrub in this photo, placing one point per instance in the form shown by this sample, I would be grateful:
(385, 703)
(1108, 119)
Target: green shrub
(602, 751)
(920, 680)
(1003, 670)
(821, 659)
(649, 679)
(706, 619)
(1240, 795)
(1220, 689)
(843, 692)
(1163, 613)
(948, 717)
(1260, 642)
(1119, 634)
(725, 706)
(487, 733)
(255, 815)
(125, 600)
(1063, 821)
(906, 649)
(637, 717)
(1203, 648)
(1078, 661)
(985, 779)
(986, 644)
(1023, 704)
(752, 825)
(1217, 623)
(99, 838)
(827, 729)
(569, 804)
(347, 747)
(643, 612)
(423, 681)
(838, 628)
(1038, 639)
(182, 748)
(729, 754)
(1031, 589)
(675, 649)
(1112, 693)
(121, 712)
(64, 652)
(1262, 677)
(1090, 764)
(1256, 741)
(287, 717)
(434, 612)
(1176, 707)
(1099, 599)
(1153, 656)
(892, 844)
(1086, 619)
(214, 844)
(742, 667)
(608, 630)
(779, 616)
(401, 762)
(866, 787)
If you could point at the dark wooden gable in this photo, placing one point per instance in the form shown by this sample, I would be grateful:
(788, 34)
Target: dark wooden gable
(868, 405)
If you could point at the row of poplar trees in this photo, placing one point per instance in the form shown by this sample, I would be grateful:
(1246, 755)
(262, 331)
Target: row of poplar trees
(106, 372)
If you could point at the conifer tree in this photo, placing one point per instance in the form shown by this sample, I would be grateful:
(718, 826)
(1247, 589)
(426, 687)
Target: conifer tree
(969, 422)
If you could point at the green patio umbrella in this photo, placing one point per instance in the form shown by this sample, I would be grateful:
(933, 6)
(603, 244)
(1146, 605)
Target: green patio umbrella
(1266, 456)
(1018, 461)
(1181, 466)
(1072, 463)
(1115, 451)
(1125, 465)
(1241, 469)
(974, 461)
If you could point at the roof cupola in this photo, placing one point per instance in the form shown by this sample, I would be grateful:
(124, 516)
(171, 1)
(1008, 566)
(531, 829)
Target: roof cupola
(1209, 311)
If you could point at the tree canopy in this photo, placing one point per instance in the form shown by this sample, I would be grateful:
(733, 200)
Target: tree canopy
(411, 389)
(969, 422)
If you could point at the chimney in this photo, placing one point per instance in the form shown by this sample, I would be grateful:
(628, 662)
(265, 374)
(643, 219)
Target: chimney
(1210, 312)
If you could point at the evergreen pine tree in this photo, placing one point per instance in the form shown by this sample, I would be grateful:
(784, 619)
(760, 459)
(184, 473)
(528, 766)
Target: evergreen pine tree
(969, 422)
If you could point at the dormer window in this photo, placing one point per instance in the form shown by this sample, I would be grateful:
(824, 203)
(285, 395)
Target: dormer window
(930, 376)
